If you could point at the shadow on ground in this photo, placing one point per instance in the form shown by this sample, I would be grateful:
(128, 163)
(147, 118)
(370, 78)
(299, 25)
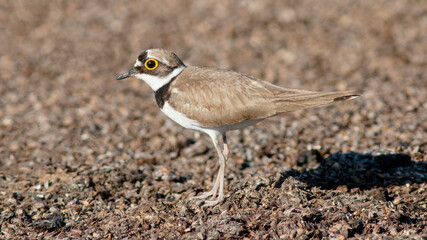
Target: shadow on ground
(356, 170)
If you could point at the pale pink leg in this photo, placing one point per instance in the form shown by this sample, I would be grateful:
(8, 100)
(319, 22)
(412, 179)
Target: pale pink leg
(226, 151)
(218, 188)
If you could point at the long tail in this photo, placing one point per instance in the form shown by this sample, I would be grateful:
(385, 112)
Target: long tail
(292, 100)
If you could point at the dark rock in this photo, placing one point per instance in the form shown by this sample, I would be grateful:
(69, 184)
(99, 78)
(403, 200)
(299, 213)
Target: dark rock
(50, 223)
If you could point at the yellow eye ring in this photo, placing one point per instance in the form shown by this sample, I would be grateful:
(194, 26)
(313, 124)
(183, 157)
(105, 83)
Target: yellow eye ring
(151, 64)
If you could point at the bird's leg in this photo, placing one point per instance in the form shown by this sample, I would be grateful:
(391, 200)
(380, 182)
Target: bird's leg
(218, 188)
(219, 182)
(226, 151)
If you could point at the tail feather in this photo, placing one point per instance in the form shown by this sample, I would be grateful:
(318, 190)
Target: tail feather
(297, 100)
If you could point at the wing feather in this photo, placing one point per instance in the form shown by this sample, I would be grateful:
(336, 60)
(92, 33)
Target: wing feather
(220, 98)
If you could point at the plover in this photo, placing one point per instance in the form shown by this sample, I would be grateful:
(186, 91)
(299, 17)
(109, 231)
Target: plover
(215, 101)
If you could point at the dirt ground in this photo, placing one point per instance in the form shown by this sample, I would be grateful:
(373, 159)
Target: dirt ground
(85, 156)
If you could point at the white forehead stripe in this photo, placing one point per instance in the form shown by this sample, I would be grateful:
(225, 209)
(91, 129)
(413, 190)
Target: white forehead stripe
(138, 63)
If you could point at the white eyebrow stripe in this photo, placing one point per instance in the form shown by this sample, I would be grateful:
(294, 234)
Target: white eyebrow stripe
(166, 62)
(162, 60)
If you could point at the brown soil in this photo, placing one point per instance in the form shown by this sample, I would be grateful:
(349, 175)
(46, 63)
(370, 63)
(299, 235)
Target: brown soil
(85, 156)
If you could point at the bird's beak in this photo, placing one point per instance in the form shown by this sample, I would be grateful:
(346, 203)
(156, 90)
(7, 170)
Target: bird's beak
(127, 74)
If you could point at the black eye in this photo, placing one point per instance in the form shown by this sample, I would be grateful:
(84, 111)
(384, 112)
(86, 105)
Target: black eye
(151, 64)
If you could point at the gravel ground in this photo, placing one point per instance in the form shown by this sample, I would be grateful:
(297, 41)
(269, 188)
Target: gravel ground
(85, 156)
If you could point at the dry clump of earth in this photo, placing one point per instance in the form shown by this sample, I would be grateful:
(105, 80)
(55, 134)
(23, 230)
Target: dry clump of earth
(85, 156)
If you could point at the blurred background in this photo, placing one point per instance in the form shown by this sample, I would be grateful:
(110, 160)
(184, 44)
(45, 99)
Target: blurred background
(66, 123)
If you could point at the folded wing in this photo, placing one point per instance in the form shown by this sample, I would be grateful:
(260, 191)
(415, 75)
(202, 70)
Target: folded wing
(229, 98)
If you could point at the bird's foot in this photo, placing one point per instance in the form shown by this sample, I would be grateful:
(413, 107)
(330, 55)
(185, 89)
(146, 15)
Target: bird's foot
(212, 201)
(204, 195)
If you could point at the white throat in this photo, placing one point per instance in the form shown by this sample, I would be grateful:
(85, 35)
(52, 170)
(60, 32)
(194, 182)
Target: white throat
(156, 82)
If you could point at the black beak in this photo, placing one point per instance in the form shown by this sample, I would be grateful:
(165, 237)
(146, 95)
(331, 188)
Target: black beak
(127, 74)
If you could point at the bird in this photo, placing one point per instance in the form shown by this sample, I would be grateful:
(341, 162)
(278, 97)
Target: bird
(215, 101)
